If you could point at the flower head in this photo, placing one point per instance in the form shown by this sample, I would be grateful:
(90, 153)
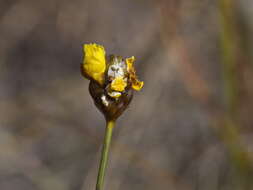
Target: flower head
(112, 80)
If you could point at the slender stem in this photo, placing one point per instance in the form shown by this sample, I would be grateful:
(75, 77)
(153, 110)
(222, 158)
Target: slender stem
(104, 156)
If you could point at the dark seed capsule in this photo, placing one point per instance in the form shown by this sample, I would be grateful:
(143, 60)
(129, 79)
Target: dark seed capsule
(111, 108)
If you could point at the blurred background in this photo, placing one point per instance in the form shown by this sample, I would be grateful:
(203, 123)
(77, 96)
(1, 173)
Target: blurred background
(190, 128)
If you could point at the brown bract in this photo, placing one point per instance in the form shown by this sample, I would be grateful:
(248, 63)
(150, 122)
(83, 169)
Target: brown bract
(110, 107)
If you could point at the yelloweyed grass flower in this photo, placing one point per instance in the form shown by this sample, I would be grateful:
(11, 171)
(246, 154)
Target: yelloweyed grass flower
(94, 63)
(118, 84)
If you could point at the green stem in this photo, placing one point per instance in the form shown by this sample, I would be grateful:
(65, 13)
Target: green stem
(104, 156)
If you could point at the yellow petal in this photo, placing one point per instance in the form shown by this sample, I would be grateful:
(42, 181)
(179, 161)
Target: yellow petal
(137, 85)
(118, 84)
(94, 63)
(129, 62)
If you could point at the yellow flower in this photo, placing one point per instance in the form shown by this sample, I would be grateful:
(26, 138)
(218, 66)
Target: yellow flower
(136, 84)
(94, 63)
(118, 84)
